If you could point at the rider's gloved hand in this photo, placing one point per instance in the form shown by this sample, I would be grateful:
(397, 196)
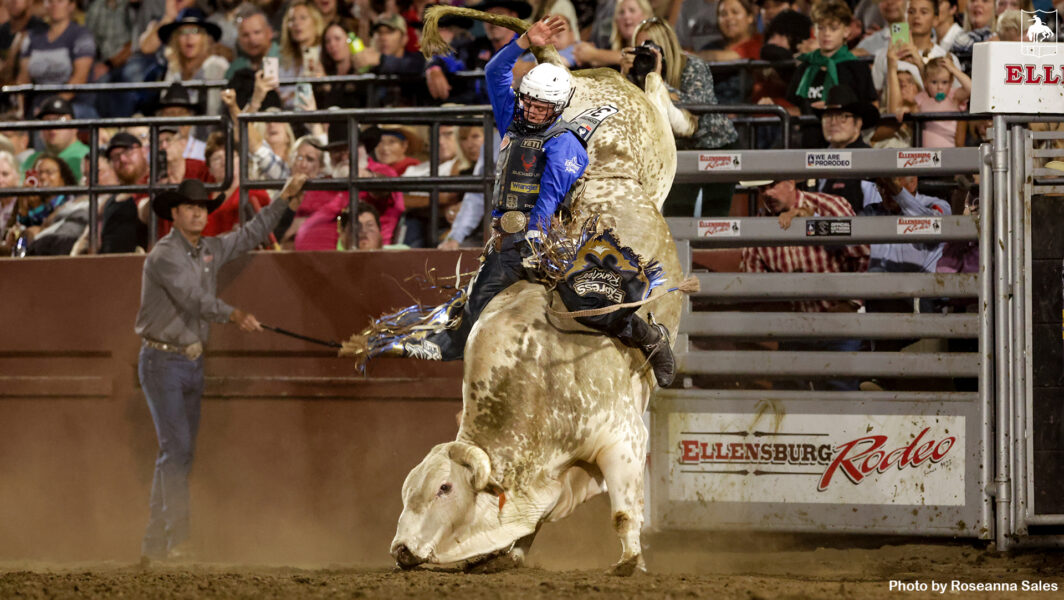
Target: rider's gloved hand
(531, 250)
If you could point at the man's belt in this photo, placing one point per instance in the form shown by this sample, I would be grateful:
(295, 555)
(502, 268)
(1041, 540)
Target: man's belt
(191, 351)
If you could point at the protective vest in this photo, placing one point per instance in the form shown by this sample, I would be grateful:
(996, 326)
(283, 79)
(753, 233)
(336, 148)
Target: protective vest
(521, 164)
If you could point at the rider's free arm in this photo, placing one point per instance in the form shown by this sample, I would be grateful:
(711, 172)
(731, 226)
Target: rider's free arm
(500, 78)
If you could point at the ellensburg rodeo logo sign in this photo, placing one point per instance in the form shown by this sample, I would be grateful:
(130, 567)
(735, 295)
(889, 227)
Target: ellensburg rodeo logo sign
(1024, 76)
(856, 459)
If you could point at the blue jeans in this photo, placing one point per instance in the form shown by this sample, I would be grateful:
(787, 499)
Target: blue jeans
(173, 386)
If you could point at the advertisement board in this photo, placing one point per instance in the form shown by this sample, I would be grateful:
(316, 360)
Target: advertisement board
(838, 459)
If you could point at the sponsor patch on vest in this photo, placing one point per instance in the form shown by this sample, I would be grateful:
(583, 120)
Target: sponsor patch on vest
(534, 144)
(919, 159)
(828, 160)
(511, 201)
(730, 161)
(827, 227)
(585, 124)
(718, 228)
(919, 225)
(528, 159)
(524, 188)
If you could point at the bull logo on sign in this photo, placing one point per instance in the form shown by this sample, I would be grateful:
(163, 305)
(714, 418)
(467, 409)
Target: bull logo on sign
(1040, 29)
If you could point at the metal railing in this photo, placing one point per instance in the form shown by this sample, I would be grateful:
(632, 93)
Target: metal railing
(434, 183)
(92, 186)
(715, 369)
(30, 91)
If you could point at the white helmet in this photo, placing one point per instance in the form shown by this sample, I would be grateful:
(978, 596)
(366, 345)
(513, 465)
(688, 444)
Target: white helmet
(546, 83)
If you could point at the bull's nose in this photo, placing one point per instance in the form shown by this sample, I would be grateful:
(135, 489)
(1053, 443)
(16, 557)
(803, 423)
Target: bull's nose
(405, 558)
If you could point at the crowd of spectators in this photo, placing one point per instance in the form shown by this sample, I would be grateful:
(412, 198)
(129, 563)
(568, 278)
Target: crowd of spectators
(849, 49)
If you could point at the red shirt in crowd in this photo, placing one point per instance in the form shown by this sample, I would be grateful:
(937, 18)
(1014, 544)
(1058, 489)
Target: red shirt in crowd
(321, 208)
(227, 216)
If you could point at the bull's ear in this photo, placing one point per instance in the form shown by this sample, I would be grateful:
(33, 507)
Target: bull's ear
(475, 459)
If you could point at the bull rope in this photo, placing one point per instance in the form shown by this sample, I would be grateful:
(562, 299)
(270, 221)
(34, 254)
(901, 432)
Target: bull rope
(689, 285)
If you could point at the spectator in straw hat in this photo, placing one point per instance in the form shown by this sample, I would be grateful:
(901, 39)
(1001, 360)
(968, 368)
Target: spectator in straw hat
(396, 146)
(178, 303)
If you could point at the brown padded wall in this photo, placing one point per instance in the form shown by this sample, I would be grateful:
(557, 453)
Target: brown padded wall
(300, 459)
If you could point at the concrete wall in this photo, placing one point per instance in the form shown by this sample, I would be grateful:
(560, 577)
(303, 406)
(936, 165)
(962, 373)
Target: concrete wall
(300, 459)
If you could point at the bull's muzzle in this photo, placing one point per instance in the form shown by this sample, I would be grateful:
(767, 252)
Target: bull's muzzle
(405, 558)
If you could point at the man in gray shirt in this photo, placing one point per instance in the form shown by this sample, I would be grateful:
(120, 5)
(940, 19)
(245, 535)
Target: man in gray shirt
(178, 300)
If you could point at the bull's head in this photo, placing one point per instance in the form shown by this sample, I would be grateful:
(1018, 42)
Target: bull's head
(452, 511)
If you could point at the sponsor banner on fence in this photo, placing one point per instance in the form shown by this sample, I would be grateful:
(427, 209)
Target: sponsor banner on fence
(827, 227)
(919, 159)
(919, 225)
(828, 160)
(831, 459)
(727, 161)
(718, 228)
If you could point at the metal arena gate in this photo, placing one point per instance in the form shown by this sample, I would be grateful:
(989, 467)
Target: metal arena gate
(729, 454)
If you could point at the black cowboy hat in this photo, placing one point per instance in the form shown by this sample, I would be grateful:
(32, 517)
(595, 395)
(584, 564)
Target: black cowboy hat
(190, 16)
(176, 95)
(337, 137)
(522, 8)
(842, 97)
(190, 191)
(456, 21)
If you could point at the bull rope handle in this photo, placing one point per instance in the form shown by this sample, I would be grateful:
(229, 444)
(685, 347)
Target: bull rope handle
(689, 285)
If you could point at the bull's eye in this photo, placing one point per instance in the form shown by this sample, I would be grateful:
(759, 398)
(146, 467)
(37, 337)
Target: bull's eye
(445, 489)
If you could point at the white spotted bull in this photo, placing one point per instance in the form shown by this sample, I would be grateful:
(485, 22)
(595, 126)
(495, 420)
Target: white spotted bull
(552, 415)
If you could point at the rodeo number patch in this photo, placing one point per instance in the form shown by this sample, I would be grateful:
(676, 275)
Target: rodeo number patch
(585, 124)
(827, 227)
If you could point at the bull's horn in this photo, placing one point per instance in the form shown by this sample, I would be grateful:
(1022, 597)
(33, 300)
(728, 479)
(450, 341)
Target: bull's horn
(475, 459)
(432, 44)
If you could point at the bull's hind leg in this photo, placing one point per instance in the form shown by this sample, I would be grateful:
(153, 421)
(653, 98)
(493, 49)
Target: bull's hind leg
(622, 466)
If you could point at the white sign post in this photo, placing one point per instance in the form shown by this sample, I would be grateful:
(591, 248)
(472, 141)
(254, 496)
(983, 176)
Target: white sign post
(1021, 77)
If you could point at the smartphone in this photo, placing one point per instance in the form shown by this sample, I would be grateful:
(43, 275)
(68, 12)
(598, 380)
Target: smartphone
(271, 68)
(899, 33)
(31, 179)
(311, 54)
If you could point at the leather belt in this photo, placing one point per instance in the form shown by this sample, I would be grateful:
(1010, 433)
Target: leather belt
(191, 351)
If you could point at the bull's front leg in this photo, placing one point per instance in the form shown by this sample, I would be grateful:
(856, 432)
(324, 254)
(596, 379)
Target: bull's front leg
(622, 467)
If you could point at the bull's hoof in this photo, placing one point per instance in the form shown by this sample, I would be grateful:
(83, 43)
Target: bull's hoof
(629, 566)
(498, 564)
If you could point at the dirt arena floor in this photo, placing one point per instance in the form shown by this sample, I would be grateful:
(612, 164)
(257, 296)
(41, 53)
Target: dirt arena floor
(764, 568)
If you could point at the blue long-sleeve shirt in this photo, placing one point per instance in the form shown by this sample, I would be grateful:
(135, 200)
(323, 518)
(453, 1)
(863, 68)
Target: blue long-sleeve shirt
(566, 156)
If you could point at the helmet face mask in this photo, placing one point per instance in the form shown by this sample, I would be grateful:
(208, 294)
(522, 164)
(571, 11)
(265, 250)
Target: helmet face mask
(544, 93)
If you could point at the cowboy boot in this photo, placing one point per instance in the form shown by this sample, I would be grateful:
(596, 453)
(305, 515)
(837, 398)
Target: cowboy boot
(653, 340)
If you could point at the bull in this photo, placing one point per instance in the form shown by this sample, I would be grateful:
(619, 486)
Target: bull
(552, 415)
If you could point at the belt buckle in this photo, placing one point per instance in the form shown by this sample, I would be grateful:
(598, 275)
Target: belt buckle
(513, 221)
(193, 351)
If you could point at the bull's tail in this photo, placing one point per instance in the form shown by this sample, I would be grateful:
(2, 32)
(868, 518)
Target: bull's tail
(432, 44)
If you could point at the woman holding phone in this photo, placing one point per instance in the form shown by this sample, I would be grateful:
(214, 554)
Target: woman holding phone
(300, 47)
